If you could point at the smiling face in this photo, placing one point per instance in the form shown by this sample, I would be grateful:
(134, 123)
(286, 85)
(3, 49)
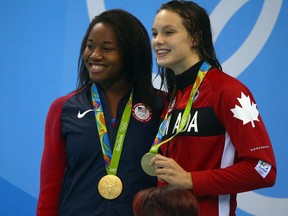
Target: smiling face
(102, 56)
(172, 44)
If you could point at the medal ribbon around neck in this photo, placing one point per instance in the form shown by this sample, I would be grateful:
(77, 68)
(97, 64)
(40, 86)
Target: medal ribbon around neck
(157, 141)
(111, 163)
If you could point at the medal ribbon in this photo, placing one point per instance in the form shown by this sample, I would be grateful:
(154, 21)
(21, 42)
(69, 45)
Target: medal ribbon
(111, 163)
(157, 141)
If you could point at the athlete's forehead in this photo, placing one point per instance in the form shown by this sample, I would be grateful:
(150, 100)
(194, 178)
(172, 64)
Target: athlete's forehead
(167, 19)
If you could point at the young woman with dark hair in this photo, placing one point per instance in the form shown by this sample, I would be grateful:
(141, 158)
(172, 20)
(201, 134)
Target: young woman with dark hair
(95, 136)
(214, 141)
(135, 50)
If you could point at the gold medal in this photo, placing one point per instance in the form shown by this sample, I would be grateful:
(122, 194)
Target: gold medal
(110, 187)
(150, 170)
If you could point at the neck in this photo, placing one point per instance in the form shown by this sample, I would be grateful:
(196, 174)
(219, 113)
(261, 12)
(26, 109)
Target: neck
(188, 64)
(114, 93)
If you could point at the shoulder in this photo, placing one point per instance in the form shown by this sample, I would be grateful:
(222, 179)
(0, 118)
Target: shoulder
(223, 83)
(159, 94)
(220, 78)
(60, 101)
(78, 93)
(160, 98)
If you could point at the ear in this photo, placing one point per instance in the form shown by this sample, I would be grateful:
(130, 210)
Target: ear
(196, 39)
(194, 42)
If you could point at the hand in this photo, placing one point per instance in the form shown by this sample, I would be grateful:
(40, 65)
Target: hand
(171, 172)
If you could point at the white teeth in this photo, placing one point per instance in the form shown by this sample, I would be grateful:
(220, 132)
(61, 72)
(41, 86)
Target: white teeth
(96, 67)
(161, 52)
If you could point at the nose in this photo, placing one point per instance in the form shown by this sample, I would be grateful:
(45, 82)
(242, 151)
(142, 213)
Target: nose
(157, 40)
(96, 54)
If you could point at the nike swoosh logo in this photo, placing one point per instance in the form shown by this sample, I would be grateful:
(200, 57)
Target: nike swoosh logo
(81, 115)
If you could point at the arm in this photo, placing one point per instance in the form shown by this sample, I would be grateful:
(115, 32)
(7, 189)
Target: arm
(254, 166)
(53, 162)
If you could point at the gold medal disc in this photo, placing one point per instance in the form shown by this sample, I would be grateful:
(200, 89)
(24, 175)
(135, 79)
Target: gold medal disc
(150, 170)
(110, 187)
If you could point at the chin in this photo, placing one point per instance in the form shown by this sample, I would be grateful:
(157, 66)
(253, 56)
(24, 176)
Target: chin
(162, 63)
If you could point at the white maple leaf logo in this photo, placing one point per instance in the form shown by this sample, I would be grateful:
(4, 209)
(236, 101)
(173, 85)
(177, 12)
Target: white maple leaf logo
(248, 111)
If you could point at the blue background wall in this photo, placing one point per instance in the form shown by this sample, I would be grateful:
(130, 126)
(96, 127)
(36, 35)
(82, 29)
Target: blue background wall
(39, 47)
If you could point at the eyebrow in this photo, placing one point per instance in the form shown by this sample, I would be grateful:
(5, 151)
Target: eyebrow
(105, 42)
(166, 26)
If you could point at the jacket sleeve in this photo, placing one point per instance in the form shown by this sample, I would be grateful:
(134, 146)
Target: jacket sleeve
(53, 162)
(254, 165)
